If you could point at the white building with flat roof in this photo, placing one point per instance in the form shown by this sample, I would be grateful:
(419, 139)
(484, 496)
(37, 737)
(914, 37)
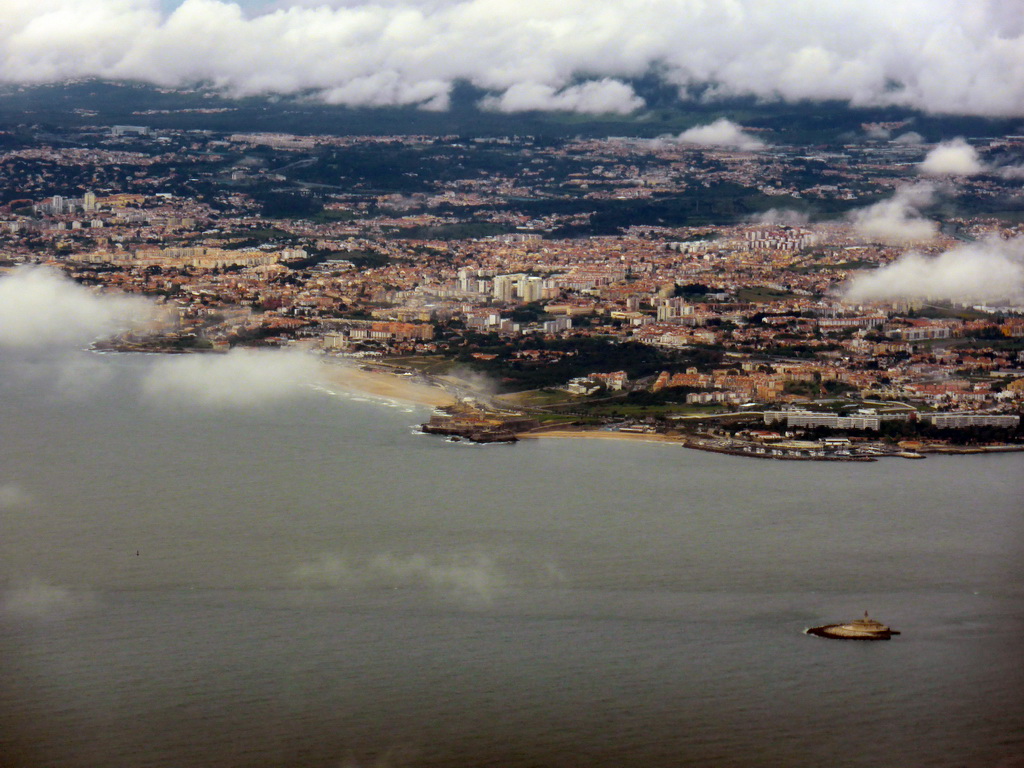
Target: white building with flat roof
(972, 419)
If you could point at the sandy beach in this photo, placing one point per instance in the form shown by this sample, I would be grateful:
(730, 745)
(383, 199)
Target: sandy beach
(406, 389)
(594, 434)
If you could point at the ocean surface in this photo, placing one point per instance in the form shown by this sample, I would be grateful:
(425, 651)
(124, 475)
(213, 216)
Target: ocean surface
(308, 582)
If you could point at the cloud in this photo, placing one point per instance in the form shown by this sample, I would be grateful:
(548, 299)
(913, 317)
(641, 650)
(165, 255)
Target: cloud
(1012, 172)
(79, 377)
(476, 383)
(989, 271)
(898, 219)
(721, 133)
(387, 88)
(909, 138)
(240, 379)
(38, 600)
(595, 97)
(13, 496)
(41, 307)
(961, 58)
(952, 158)
(469, 578)
(786, 216)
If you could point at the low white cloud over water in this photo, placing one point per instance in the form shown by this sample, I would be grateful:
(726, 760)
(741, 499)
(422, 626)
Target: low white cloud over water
(48, 318)
(13, 496)
(242, 378)
(473, 578)
(41, 307)
(40, 600)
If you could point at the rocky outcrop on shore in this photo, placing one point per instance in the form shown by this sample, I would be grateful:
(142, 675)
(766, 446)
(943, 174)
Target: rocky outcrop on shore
(477, 426)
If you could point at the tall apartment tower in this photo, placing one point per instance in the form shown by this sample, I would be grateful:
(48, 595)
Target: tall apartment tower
(530, 289)
(503, 285)
(89, 201)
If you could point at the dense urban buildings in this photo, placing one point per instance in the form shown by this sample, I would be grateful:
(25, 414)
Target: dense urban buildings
(691, 279)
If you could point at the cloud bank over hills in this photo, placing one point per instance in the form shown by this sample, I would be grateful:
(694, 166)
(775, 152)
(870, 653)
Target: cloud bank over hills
(574, 55)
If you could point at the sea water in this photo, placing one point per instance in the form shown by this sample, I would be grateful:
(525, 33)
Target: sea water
(308, 582)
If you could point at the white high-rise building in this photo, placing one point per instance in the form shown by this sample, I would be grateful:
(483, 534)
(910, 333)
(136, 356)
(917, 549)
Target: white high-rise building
(503, 287)
(530, 289)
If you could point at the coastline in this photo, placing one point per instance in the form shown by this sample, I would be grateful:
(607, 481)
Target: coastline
(419, 391)
(970, 450)
(424, 391)
(392, 386)
(594, 434)
(591, 434)
(684, 442)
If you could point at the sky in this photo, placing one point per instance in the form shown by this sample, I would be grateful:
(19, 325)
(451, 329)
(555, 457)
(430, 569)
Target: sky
(943, 56)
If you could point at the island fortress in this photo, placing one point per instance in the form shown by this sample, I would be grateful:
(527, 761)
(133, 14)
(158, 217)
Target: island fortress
(859, 629)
